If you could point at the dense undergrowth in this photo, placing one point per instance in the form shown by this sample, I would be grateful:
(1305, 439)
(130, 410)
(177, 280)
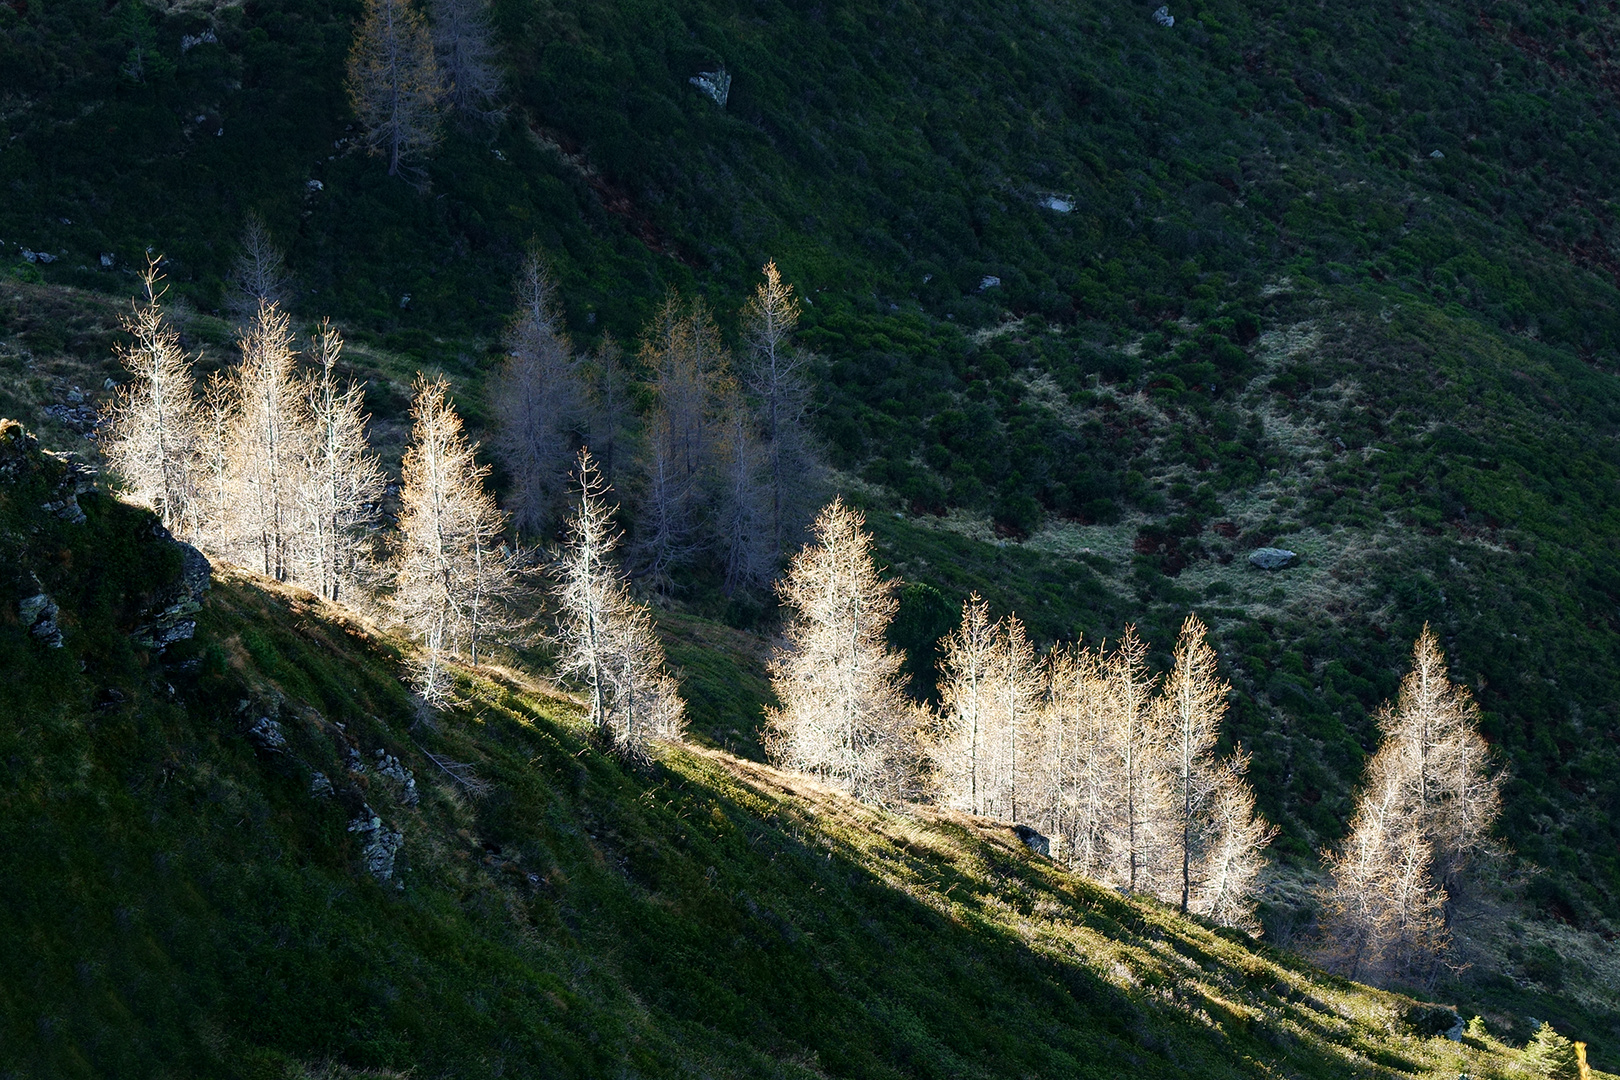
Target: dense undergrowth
(182, 901)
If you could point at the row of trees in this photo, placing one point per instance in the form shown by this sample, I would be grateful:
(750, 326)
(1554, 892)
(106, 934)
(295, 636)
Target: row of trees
(270, 468)
(1083, 744)
(1119, 767)
(721, 467)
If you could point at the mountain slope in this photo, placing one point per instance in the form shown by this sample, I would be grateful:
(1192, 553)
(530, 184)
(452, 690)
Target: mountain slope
(194, 900)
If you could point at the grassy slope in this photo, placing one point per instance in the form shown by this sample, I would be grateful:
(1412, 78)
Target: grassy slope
(186, 907)
(1256, 213)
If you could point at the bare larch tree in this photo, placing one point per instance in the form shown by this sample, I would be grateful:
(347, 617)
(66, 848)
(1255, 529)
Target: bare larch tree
(775, 376)
(259, 274)
(607, 638)
(539, 400)
(447, 564)
(1427, 805)
(268, 447)
(342, 482)
(151, 426)
(964, 686)
(394, 84)
(464, 45)
(844, 715)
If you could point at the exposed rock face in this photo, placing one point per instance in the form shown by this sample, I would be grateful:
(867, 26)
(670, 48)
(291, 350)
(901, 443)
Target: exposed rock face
(1270, 558)
(388, 765)
(379, 844)
(170, 619)
(267, 735)
(38, 613)
(320, 787)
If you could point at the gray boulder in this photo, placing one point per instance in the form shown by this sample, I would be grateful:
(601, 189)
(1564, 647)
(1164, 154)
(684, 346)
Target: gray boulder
(1033, 840)
(38, 613)
(1270, 558)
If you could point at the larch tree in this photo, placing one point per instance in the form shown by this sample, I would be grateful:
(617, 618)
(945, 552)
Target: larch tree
(775, 375)
(1228, 875)
(464, 46)
(343, 482)
(1424, 813)
(394, 83)
(1013, 699)
(216, 419)
(1191, 707)
(1134, 836)
(538, 400)
(151, 426)
(607, 638)
(844, 715)
(259, 274)
(966, 655)
(683, 350)
(268, 445)
(1078, 770)
(446, 559)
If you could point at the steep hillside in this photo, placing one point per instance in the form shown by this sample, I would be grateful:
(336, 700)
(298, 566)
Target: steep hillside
(251, 854)
(1101, 305)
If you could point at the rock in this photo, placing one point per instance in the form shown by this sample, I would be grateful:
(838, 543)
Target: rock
(267, 735)
(1434, 1021)
(320, 787)
(989, 281)
(716, 84)
(191, 41)
(1057, 203)
(313, 185)
(1270, 558)
(1437, 155)
(1164, 18)
(38, 613)
(389, 765)
(1033, 840)
(107, 261)
(169, 620)
(379, 844)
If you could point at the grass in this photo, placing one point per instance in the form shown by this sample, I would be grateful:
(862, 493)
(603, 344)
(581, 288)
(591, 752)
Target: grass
(190, 907)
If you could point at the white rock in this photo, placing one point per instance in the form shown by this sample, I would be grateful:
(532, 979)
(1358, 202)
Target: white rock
(989, 281)
(1164, 18)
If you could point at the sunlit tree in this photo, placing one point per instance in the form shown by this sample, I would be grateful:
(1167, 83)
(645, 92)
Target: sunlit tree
(844, 715)
(151, 428)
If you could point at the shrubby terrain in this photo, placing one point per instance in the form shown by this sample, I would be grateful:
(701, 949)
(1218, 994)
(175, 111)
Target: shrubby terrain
(1100, 307)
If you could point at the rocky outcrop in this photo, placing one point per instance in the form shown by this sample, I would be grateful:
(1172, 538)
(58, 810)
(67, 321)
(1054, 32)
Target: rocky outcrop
(38, 613)
(380, 845)
(170, 619)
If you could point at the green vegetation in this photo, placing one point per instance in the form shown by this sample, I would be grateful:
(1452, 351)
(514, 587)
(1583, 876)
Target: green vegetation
(1339, 279)
(190, 906)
